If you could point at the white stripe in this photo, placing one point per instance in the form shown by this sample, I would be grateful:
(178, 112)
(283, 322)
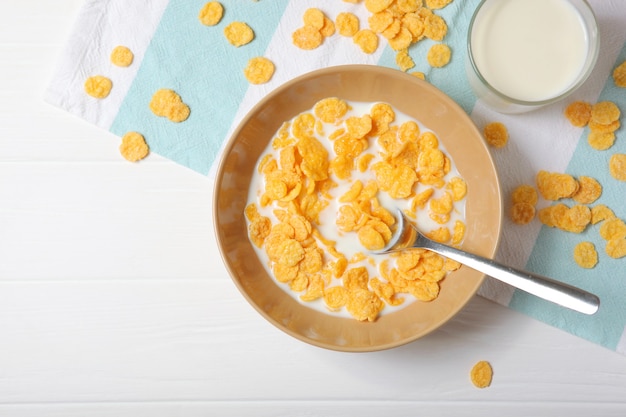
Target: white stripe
(101, 26)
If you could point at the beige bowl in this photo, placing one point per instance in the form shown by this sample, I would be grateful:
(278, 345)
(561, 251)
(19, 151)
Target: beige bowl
(361, 83)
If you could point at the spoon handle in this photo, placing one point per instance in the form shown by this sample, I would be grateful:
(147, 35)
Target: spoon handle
(544, 287)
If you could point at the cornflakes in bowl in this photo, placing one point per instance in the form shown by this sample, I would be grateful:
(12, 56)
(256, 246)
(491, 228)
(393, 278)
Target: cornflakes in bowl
(279, 142)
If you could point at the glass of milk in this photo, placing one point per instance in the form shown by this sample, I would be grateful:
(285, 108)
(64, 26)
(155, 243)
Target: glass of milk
(525, 54)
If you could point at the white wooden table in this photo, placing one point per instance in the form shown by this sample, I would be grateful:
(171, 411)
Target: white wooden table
(114, 301)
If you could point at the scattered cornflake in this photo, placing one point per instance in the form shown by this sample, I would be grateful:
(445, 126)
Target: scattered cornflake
(238, 33)
(616, 248)
(589, 190)
(134, 147)
(613, 228)
(619, 75)
(259, 70)
(522, 213)
(404, 60)
(347, 24)
(98, 86)
(435, 27)
(211, 13)
(122, 56)
(307, 37)
(604, 113)
(419, 75)
(617, 166)
(554, 186)
(167, 103)
(496, 134)
(439, 55)
(525, 194)
(578, 113)
(313, 17)
(585, 255)
(481, 374)
(600, 141)
(600, 213)
(366, 40)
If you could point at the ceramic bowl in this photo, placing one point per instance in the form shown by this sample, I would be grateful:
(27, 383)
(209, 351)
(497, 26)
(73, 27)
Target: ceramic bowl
(357, 83)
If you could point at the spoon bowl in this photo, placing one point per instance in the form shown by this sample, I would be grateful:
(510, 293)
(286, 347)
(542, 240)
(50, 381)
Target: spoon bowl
(407, 236)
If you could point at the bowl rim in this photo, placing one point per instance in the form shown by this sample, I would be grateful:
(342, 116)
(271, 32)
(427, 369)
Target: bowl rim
(230, 144)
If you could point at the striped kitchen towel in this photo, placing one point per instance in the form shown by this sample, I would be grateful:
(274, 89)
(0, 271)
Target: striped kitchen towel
(173, 49)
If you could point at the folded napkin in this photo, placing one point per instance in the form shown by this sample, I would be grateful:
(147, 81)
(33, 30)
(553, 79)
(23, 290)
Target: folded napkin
(174, 50)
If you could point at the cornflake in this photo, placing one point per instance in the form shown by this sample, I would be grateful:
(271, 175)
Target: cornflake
(98, 86)
(554, 186)
(619, 75)
(259, 70)
(404, 60)
(617, 166)
(578, 113)
(496, 134)
(133, 147)
(604, 113)
(589, 190)
(238, 33)
(211, 13)
(522, 213)
(366, 40)
(167, 103)
(307, 37)
(347, 24)
(481, 374)
(439, 55)
(122, 56)
(585, 255)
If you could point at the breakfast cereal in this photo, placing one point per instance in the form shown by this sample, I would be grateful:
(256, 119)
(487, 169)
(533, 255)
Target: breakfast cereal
(619, 75)
(604, 113)
(439, 55)
(366, 40)
(496, 134)
(589, 190)
(211, 13)
(122, 56)
(522, 213)
(554, 186)
(347, 24)
(404, 60)
(167, 103)
(481, 374)
(98, 86)
(524, 194)
(585, 255)
(316, 211)
(259, 70)
(578, 113)
(600, 213)
(617, 166)
(238, 33)
(600, 141)
(134, 147)
(307, 37)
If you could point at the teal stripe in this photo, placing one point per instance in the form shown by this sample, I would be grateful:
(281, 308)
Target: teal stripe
(451, 79)
(198, 63)
(607, 279)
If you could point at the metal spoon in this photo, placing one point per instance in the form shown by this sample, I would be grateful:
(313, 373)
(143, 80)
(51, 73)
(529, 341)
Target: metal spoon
(407, 236)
